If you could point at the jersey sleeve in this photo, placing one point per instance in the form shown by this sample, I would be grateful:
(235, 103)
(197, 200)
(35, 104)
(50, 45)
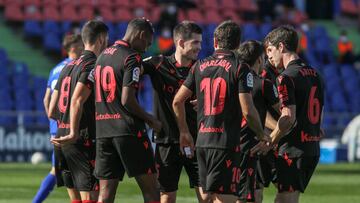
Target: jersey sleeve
(85, 73)
(270, 92)
(132, 71)
(286, 90)
(245, 79)
(148, 66)
(190, 79)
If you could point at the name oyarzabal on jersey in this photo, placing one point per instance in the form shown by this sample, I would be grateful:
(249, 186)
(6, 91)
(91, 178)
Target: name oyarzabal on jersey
(117, 66)
(167, 75)
(217, 81)
(76, 71)
(308, 96)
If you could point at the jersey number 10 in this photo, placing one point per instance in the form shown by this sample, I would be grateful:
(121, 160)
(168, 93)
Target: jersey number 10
(214, 95)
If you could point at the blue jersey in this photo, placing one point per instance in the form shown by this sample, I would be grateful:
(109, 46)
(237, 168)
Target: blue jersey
(53, 78)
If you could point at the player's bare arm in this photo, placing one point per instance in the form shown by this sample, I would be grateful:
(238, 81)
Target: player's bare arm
(80, 96)
(128, 100)
(46, 100)
(270, 121)
(52, 105)
(185, 139)
(251, 115)
(285, 123)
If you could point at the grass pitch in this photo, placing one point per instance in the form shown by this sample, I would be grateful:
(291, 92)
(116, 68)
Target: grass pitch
(330, 184)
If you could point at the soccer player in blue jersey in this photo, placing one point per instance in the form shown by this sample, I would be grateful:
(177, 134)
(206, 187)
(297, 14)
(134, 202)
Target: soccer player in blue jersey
(73, 46)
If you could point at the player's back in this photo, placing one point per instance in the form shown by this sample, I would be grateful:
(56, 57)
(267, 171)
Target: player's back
(74, 72)
(219, 114)
(308, 88)
(116, 67)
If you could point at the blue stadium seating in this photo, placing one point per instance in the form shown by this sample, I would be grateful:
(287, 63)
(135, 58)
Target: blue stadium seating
(33, 28)
(52, 42)
(250, 31)
(121, 29)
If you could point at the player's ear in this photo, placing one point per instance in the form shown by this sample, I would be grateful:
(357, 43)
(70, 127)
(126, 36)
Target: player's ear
(281, 47)
(142, 35)
(181, 43)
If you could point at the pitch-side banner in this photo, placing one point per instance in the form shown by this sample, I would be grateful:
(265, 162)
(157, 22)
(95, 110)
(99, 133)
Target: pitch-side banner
(17, 144)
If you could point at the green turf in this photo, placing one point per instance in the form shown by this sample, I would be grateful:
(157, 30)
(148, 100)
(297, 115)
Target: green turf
(330, 184)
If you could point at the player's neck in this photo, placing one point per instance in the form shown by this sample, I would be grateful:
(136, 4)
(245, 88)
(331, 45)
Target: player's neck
(183, 61)
(72, 55)
(92, 48)
(288, 57)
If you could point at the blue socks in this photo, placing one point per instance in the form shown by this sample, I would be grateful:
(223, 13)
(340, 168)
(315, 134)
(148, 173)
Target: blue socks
(45, 188)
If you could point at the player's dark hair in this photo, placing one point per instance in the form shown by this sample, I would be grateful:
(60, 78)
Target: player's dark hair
(92, 30)
(228, 35)
(140, 24)
(70, 40)
(285, 34)
(185, 29)
(250, 51)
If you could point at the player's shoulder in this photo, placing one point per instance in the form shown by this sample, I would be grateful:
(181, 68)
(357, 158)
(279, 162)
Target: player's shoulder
(158, 59)
(58, 68)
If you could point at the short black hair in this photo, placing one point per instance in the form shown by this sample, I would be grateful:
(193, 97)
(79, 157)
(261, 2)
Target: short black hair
(228, 35)
(92, 30)
(140, 24)
(185, 29)
(250, 51)
(285, 34)
(70, 40)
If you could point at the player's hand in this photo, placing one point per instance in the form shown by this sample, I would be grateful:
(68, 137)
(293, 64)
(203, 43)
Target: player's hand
(195, 104)
(186, 141)
(68, 139)
(262, 148)
(156, 125)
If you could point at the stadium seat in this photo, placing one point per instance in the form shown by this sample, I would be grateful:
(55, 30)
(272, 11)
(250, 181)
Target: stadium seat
(51, 27)
(349, 7)
(212, 16)
(195, 15)
(265, 28)
(52, 42)
(66, 27)
(122, 4)
(106, 3)
(229, 4)
(250, 31)
(69, 13)
(32, 2)
(155, 14)
(13, 12)
(51, 12)
(121, 29)
(339, 103)
(123, 14)
(210, 4)
(69, 3)
(107, 14)
(50, 3)
(112, 32)
(181, 15)
(231, 15)
(32, 28)
(32, 13)
(3, 55)
(248, 6)
(87, 3)
(146, 4)
(86, 13)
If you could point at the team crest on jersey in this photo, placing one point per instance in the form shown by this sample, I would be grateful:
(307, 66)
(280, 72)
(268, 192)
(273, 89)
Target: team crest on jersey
(275, 91)
(250, 80)
(136, 74)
